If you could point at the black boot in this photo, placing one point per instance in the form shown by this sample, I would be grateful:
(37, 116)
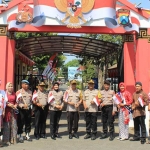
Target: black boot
(75, 135)
(93, 137)
(103, 136)
(87, 136)
(111, 138)
(143, 141)
(53, 137)
(70, 136)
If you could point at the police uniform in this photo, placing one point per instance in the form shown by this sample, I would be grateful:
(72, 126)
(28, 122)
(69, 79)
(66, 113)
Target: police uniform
(91, 111)
(55, 113)
(40, 113)
(24, 116)
(74, 96)
(107, 109)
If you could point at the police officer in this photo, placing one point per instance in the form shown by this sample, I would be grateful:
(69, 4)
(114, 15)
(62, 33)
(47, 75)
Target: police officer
(73, 98)
(56, 106)
(91, 109)
(40, 102)
(108, 110)
(24, 100)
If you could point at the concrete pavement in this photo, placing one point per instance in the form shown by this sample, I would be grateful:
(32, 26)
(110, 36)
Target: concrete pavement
(64, 143)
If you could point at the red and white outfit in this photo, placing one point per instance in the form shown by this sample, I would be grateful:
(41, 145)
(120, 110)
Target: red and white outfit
(3, 100)
(126, 98)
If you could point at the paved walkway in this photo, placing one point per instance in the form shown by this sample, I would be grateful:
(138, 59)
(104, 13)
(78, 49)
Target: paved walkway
(64, 143)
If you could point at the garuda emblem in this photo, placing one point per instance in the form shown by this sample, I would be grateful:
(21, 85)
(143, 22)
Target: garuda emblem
(74, 10)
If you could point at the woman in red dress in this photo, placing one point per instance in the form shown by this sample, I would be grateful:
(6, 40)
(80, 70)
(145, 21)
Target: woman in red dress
(10, 122)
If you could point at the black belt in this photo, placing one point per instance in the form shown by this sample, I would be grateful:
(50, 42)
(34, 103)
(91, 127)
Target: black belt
(108, 106)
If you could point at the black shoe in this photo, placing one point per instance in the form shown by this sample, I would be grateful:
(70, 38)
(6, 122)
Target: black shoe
(37, 137)
(53, 137)
(70, 136)
(87, 136)
(75, 135)
(103, 136)
(143, 141)
(21, 140)
(43, 136)
(28, 139)
(135, 139)
(111, 138)
(93, 137)
(56, 135)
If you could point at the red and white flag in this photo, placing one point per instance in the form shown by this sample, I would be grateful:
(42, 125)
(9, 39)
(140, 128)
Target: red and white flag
(51, 98)
(116, 99)
(66, 95)
(19, 95)
(96, 100)
(141, 101)
(35, 95)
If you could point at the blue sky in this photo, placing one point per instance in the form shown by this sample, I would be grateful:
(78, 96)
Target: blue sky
(144, 3)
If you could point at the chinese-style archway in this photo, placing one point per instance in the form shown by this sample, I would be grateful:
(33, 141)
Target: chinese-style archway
(80, 16)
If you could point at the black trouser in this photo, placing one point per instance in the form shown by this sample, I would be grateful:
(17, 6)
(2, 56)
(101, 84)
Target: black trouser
(40, 121)
(54, 121)
(24, 118)
(139, 122)
(108, 119)
(91, 122)
(73, 119)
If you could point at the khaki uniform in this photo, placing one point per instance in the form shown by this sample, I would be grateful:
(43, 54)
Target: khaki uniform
(58, 100)
(41, 113)
(24, 116)
(88, 96)
(55, 113)
(91, 111)
(72, 112)
(107, 109)
(73, 96)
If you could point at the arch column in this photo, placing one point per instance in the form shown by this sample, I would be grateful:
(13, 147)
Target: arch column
(10, 58)
(129, 62)
(3, 56)
(7, 57)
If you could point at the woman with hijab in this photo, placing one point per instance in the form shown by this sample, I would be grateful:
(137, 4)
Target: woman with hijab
(124, 101)
(10, 122)
(55, 100)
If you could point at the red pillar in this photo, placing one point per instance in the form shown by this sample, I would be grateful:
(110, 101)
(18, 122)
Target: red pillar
(10, 61)
(143, 63)
(3, 61)
(129, 64)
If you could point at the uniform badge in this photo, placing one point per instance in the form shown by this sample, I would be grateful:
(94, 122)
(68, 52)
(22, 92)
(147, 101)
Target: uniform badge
(123, 17)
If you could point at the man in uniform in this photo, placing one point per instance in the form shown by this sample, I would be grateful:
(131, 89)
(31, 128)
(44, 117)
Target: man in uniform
(73, 98)
(140, 100)
(55, 105)
(24, 100)
(108, 110)
(91, 109)
(40, 101)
